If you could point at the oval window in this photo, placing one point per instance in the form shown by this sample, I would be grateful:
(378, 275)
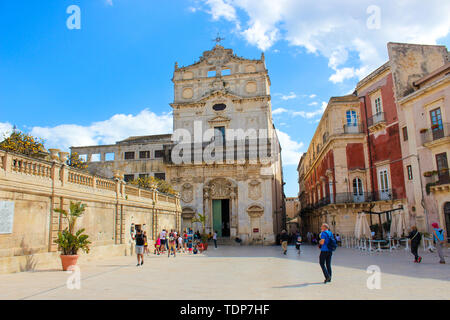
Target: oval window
(219, 107)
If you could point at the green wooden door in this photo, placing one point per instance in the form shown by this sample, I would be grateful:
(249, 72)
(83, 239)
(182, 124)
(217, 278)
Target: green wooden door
(217, 216)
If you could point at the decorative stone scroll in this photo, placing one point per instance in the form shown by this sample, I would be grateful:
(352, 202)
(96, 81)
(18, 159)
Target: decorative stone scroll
(187, 193)
(219, 188)
(254, 189)
(255, 211)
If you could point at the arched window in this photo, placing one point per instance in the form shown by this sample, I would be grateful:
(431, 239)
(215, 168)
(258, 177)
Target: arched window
(352, 119)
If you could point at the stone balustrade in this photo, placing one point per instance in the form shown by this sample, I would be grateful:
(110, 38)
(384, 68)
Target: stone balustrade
(27, 166)
(36, 187)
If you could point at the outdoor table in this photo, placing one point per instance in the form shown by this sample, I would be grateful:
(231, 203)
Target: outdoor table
(430, 244)
(393, 246)
(407, 242)
(378, 249)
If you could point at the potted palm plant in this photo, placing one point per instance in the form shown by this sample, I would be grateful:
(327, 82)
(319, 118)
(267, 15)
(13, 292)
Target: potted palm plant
(202, 219)
(69, 240)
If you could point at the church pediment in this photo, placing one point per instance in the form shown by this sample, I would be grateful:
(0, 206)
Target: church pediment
(219, 119)
(218, 94)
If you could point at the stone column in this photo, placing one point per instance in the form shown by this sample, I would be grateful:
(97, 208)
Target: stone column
(234, 215)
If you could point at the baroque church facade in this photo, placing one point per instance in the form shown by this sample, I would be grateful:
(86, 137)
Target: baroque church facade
(224, 156)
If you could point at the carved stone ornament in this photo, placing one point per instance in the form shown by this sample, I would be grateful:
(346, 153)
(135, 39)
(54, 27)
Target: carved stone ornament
(218, 57)
(206, 192)
(220, 189)
(255, 211)
(254, 189)
(187, 213)
(187, 192)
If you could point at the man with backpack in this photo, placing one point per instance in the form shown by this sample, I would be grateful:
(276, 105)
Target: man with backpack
(140, 242)
(438, 237)
(327, 245)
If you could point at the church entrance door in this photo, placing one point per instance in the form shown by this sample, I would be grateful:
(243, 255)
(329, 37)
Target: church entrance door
(221, 217)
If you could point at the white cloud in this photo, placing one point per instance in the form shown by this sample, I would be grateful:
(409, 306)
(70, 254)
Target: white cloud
(118, 127)
(291, 95)
(279, 111)
(5, 128)
(290, 149)
(313, 103)
(312, 96)
(338, 31)
(221, 9)
(311, 114)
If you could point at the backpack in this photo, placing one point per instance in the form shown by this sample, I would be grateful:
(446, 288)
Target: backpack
(332, 244)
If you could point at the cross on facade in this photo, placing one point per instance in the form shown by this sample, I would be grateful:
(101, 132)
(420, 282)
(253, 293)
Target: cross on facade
(218, 39)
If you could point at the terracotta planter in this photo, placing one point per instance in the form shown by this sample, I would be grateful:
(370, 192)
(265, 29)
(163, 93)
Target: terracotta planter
(68, 260)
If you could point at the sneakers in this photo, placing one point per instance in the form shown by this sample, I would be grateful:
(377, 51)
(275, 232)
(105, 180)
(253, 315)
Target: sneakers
(442, 262)
(420, 260)
(142, 262)
(138, 264)
(327, 280)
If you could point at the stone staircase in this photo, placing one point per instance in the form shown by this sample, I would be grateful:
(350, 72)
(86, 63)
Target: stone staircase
(225, 241)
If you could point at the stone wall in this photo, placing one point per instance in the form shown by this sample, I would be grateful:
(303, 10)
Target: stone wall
(36, 187)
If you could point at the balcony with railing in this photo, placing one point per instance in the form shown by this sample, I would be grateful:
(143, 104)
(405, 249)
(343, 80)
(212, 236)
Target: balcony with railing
(436, 134)
(350, 197)
(353, 128)
(376, 122)
(438, 182)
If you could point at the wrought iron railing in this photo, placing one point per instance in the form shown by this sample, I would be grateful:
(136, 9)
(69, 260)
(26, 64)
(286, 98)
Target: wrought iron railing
(436, 132)
(353, 129)
(350, 197)
(377, 118)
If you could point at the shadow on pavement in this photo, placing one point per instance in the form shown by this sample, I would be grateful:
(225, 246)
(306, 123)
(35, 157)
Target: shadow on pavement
(302, 285)
(397, 263)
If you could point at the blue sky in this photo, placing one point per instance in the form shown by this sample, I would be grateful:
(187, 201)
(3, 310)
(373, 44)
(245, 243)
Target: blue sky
(111, 78)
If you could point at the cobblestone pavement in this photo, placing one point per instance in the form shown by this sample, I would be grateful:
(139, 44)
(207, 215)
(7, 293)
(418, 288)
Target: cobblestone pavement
(240, 273)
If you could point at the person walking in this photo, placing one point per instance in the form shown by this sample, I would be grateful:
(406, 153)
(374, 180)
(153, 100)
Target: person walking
(145, 243)
(309, 236)
(180, 243)
(284, 238)
(171, 244)
(298, 243)
(415, 238)
(215, 239)
(157, 245)
(438, 237)
(185, 239)
(139, 238)
(326, 251)
(162, 236)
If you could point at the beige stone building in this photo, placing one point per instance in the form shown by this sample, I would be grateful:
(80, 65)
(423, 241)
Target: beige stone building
(425, 126)
(134, 157)
(333, 177)
(242, 196)
(390, 149)
(292, 214)
(223, 156)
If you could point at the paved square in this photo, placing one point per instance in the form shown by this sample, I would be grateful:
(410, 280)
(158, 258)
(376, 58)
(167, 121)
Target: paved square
(240, 273)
